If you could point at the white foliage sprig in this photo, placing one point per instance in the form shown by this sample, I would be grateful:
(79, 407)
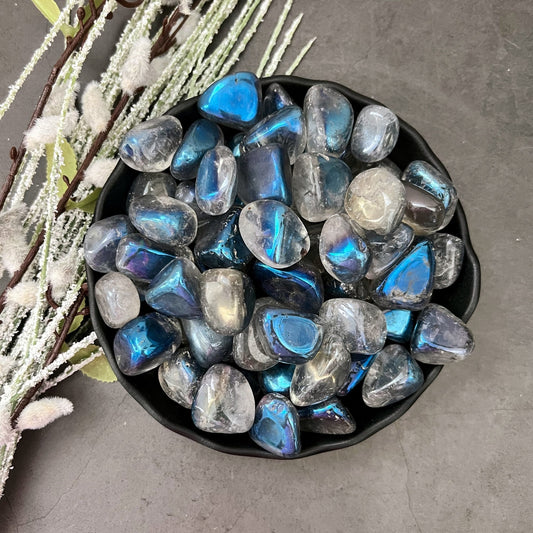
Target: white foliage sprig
(94, 107)
(40, 413)
(99, 171)
(136, 70)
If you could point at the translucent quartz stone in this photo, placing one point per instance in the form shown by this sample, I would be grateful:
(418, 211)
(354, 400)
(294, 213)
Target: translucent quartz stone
(235, 144)
(219, 243)
(375, 200)
(216, 184)
(224, 402)
(180, 377)
(375, 133)
(358, 368)
(360, 324)
(164, 219)
(426, 177)
(276, 426)
(423, 212)
(329, 119)
(277, 379)
(393, 376)
(400, 323)
(186, 193)
(264, 172)
(234, 101)
(227, 299)
(335, 289)
(139, 259)
(387, 250)
(409, 284)
(357, 166)
(440, 337)
(299, 287)
(175, 291)
(117, 299)
(149, 146)
(319, 185)
(449, 253)
(101, 242)
(343, 252)
(206, 346)
(329, 418)
(202, 135)
(275, 98)
(156, 184)
(319, 379)
(273, 233)
(145, 342)
(288, 336)
(286, 126)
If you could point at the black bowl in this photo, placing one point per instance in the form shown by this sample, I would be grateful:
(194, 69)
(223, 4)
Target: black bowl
(461, 299)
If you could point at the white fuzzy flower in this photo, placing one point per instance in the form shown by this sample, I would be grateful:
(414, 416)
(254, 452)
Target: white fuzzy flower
(184, 5)
(6, 364)
(56, 99)
(24, 294)
(6, 431)
(95, 110)
(188, 27)
(45, 129)
(13, 246)
(157, 66)
(136, 70)
(40, 413)
(99, 171)
(61, 273)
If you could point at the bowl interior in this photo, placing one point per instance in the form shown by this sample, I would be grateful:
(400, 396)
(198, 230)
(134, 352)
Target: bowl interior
(461, 299)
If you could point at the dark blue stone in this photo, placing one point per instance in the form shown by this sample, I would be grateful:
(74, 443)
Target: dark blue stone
(400, 323)
(277, 379)
(235, 144)
(329, 417)
(358, 368)
(333, 288)
(234, 101)
(275, 98)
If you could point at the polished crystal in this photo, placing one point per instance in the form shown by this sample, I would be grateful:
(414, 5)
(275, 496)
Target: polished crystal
(154, 183)
(206, 346)
(449, 253)
(329, 417)
(117, 299)
(275, 98)
(423, 212)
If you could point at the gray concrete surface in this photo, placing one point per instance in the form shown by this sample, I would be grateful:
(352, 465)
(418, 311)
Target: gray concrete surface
(460, 459)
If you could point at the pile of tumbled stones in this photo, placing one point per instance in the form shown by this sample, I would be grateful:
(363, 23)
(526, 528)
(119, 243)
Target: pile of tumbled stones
(280, 263)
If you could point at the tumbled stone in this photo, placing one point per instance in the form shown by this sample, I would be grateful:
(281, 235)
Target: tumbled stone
(400, 323)
(335, 289)
(224, 402)
(440, 337)
(117, 299)
(319, 184)
(393, 376)
(329, 119)
(145, 342)
(449, 252)
(149, 146)
(329, 417)
(156, 184)
(186, 193)
(358, 368)
(206, 346)
(375, 133)
(273, 233)
(276, 426)
(275, 98)
(277, 379)
(423, 212)
(360, 324)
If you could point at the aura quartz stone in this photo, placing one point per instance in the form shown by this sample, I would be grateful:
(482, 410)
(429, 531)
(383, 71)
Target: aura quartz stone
(449, 252)
(273, 233)
(235, 144)
(335, 289)
(277, 379)
(149, 146)
(179, 377)
(227, 298)
(423, 212)
(426, 177)
(145, 342)
(360, 324)
(400, 323)
(275, 98)
(329, 417)
(329, 119)
(234, 101)
(440, 337)
(276, 426)
(219, 243)
(344, 254)
(263, 173)
(298, 287)
(319, 184)
(163, 219)
(358, 368)
(224, 402)
(286, 126)
(117, 299)
(409, 284)
(375, 200)
(375, 133)
(156, 184)
(393, 376)
(321, 377)
(216, 184)
(139, 259)
(202, 135)
(175, 291)
(206, 345)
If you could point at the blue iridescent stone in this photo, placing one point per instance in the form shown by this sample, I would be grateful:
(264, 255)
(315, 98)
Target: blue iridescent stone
(400, 323)
(234, 144)
(234, 101)
(358, 369)
(264, 172)
(175, 291)
(409, 284)
(275, 98)
(202, 135)
(276, 426)
(335, 289)
(329, 417)
(138, 258)
(299, 287)
(145, 343)
(206, 346)
(277, 379)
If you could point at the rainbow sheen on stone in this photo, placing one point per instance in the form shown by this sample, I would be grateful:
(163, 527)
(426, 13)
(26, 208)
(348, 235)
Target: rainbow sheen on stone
(329, 418)
(358, 368)
(449, 254)
(154, 183)
(277, 379)
(206, 345)
(423, 212)
(275, 98)
(400, 323)
(117, 299)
